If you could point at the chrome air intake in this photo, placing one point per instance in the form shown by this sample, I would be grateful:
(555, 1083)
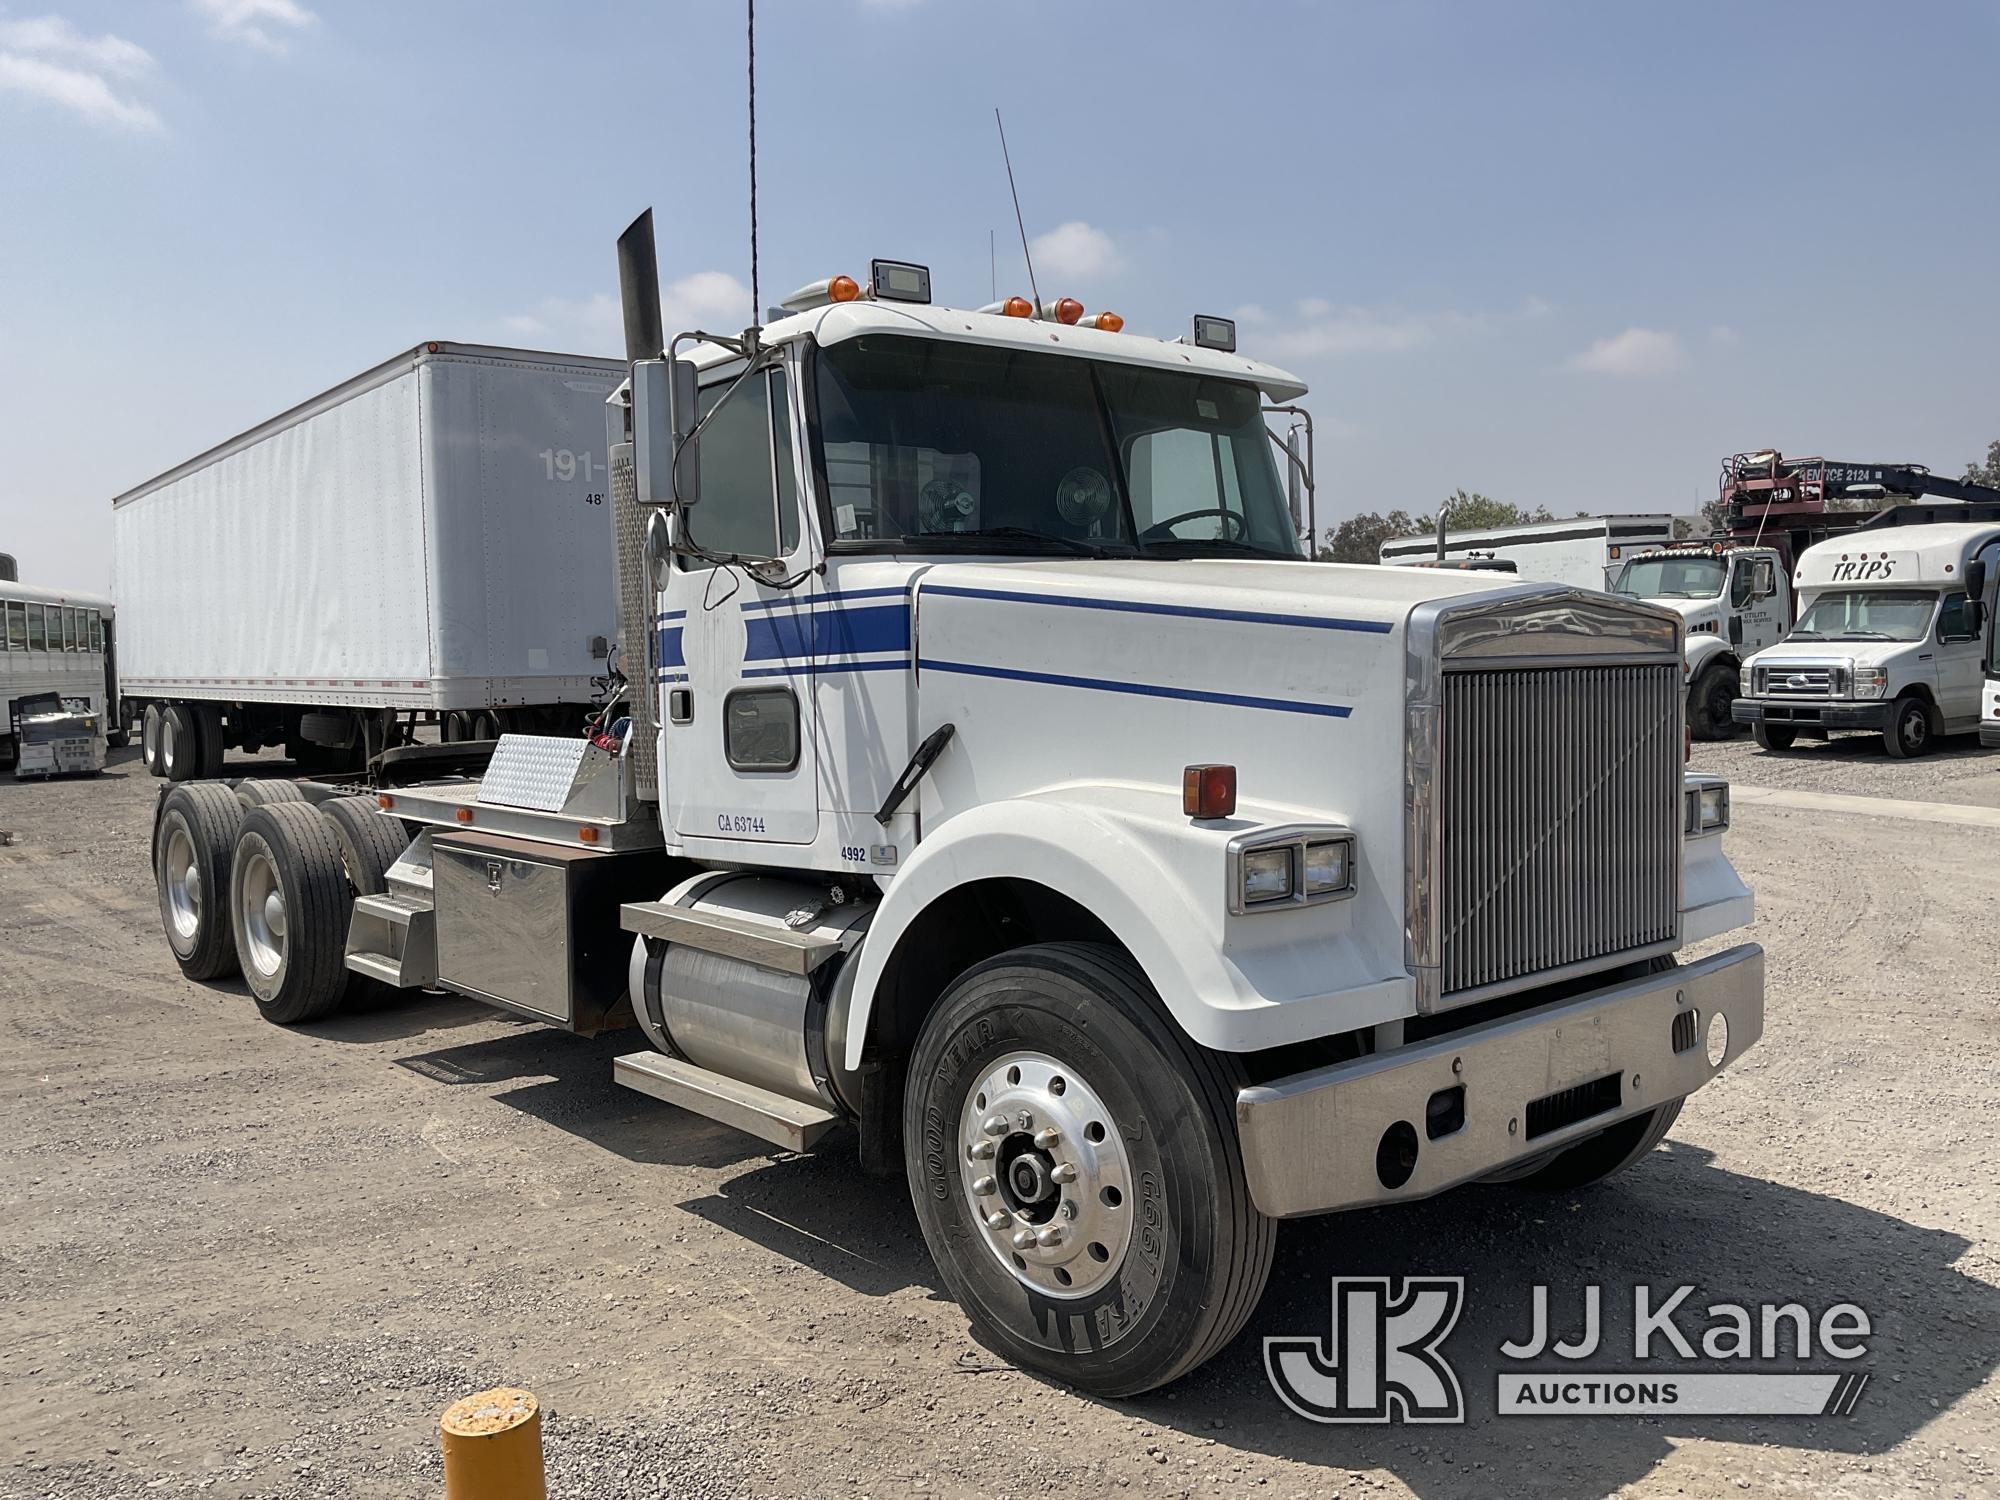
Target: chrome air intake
(1543, 789)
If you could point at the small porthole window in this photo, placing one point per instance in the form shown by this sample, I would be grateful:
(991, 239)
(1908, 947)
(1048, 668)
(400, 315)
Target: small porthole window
(760, 729)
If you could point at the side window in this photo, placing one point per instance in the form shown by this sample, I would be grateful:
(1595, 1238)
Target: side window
(38, 639)
(749, 492)
(1741, 581)
(68, 625)
(97, 632)
(1955, 620)
(16, 623)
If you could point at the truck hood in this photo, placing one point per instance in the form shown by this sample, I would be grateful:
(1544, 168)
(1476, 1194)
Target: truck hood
(1860, 653)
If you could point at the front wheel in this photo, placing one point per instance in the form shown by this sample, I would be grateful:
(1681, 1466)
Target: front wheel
(1076, 1172)
(1710, 700)
(1908, 732)
(1609, 1151)
(1773, 736)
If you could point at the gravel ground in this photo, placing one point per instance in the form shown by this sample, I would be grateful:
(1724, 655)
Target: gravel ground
(243, 1261)
(1854, 765)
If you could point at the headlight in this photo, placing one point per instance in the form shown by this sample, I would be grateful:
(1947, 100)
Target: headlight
(1743, 686)
(1707, 808)
(1287, 867)
(1870, 682)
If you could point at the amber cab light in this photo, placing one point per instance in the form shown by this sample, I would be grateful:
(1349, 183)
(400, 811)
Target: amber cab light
(1208, 791)
(1108, 322)
(1064, 310)
(1017, 307)
(843, 289)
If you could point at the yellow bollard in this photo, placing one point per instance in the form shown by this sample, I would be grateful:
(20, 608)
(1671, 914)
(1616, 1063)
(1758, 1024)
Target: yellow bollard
(493, 1447)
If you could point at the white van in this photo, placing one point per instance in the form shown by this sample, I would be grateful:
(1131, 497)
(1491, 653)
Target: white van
(1889, 639)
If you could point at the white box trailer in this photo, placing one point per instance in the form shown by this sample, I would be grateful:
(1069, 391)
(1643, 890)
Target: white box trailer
(1585, 553)
(427, 541)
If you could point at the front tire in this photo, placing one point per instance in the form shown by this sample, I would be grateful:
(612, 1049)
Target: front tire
(1909, 731)
(1075, 1167)
(1710, 700)
(1773, 736)
(1608, 1152)
(289, 903)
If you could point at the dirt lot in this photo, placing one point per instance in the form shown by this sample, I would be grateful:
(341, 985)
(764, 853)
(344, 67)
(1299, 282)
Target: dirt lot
(242, 1261)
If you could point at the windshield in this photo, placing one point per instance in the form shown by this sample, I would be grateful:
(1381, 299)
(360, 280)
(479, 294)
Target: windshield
(924, 441)
(1867, 615)
(1672, 578)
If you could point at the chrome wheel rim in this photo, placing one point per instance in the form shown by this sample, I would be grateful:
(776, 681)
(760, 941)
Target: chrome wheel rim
(183, 884)
(261, 900)
(167, 743)
(1046, 1175)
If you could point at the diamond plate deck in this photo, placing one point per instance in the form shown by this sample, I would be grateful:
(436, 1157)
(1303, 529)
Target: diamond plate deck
(534, 771)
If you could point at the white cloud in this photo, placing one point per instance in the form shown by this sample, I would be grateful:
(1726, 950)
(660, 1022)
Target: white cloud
(713, 301)
(1073, 250)
(1724, 335)
(1251, 312)
(47, 58)
(266, 25)
(1636, 351)
(1325, 330)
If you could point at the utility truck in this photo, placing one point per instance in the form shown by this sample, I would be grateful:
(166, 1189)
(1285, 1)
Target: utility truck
(997, 785)
(1585, 553)
(1734, 600)
(425, 543)
(1890, 638)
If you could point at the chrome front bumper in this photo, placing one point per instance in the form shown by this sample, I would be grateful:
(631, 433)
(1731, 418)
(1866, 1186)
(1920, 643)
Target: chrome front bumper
(1339, 1136)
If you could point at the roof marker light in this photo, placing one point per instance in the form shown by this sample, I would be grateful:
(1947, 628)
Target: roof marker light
(1063, 310)
(1017, 307)
(1108, 322)
(843, 289)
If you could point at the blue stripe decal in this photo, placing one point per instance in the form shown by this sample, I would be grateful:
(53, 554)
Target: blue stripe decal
(822, 668)
(833, 632)
(809, 602)
(672, 614)
(672, 677)
(671, 650)
(1142, 607)
(1140, 689)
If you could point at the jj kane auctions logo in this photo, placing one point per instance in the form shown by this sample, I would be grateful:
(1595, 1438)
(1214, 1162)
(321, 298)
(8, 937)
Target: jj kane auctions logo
(1383, 1360)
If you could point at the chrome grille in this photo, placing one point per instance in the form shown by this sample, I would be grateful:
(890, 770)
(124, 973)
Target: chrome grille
(1560, 813)
(1798, 682)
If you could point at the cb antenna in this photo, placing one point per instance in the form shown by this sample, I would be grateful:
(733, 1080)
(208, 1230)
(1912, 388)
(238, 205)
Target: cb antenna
(1019, 223)
(756, 302)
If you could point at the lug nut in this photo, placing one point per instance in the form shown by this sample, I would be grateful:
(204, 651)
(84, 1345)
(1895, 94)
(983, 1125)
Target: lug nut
(984, 1187)
(1024, 1239)
(998, 1220)
(1046, 1139)
(1048, 1235)
(980, 1150)
(997, 1125)
(1065, 1172)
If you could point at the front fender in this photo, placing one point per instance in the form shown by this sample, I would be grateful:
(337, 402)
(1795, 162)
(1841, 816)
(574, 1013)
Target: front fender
(1128, 855)
(1703, 649)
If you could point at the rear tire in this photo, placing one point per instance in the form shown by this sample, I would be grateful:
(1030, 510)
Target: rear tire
(180, 743)
(194, 843)
(1909, 731)
(370, 841)
(149, 739)
(1773, 736)
(208, 719)
(1709, 702)
(289, 904)
(1158, 1255)
(264, 793)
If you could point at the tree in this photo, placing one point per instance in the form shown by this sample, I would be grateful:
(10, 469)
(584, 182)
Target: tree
(1988, 472)
(1714, 521)
(1359, 539)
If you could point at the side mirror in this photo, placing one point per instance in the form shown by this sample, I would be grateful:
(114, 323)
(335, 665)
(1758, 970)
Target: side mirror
(664, 407)
(659, 545)
(1975, 579)
(686, 397)
(1295, 480)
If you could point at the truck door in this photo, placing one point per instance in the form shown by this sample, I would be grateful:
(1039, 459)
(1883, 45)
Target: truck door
(735, 693)
(1961, 671)
(1757, 600)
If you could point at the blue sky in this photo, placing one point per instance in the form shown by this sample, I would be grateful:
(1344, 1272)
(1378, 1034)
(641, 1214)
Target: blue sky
(1566, 254)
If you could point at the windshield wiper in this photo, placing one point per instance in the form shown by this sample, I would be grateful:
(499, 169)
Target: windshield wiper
(1073, 545)
(1172, 545)
(1867, 635)
(1800, 635)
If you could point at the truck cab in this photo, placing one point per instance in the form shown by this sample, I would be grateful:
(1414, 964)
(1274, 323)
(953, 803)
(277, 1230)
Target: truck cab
(1735, 602)
(993, 786)
(1890, 640)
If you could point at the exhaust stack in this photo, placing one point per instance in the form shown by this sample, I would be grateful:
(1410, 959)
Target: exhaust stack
(639, 298)
(639, 291)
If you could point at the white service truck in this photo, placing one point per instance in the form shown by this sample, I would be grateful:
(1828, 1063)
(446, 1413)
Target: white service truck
(426, 542)
(1735, 602)
(1584, 553)
(1891, 637)
(1006, 790)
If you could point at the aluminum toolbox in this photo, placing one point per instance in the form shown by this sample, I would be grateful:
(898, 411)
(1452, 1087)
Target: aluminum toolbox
(534, 927)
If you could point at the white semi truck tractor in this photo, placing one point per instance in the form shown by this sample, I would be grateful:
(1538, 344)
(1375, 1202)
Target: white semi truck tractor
(1005, 794)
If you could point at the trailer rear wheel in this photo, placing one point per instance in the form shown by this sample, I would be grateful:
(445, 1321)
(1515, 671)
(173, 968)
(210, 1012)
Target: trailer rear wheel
(370, 841)
(193, 844)
(208, 721)
(1074, 1163)
(149, 739)
(289, 904)
(1773, 736)
(180, 743)
(257, 793)
(1908, 733)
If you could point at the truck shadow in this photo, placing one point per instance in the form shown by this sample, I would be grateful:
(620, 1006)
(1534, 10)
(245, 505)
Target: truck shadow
(1862, 749)
(1677, 1219)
